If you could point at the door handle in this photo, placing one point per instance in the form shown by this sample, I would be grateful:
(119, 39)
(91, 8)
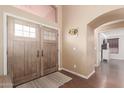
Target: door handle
(42, 53)
(37, 53)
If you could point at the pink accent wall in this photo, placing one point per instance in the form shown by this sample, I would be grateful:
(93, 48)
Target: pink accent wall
(45, 11)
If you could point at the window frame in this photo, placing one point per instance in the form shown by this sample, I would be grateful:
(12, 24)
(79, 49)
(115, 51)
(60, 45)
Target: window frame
(30, 25)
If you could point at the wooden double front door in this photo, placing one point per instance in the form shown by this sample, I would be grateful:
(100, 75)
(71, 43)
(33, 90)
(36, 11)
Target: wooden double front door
(32, 50)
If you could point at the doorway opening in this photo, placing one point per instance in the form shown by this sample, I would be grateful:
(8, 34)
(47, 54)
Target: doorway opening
(115, 17)
(110, 44)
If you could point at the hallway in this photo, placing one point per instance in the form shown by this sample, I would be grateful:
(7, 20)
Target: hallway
(107, 75)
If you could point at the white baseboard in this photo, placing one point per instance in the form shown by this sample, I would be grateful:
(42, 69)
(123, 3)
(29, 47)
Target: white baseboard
(90, 74)
(75, 73)
(60, 68)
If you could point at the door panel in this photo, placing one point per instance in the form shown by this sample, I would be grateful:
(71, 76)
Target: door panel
(53, 55)
(50, 55)
(18, 59)
(50, 50)
(33, 58)
(23, 47)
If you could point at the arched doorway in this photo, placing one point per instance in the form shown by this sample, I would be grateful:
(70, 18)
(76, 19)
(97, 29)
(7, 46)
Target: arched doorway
(110, 17)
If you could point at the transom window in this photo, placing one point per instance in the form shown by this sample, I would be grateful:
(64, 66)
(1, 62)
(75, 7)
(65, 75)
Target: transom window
(49, 35)
(25, 31)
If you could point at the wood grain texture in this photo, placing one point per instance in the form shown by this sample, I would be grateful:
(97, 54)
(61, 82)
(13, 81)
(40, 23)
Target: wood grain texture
(23, 53)
(50, 53)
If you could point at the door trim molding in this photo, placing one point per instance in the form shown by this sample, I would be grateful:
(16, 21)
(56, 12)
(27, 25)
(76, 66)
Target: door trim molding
(5, 14)
(5, 44)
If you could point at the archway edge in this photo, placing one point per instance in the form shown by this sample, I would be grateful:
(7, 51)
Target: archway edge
(113, 15)
(104, 18)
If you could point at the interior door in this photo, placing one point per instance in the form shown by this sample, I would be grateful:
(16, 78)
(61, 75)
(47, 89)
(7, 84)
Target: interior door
(50, 50)
(23, 50)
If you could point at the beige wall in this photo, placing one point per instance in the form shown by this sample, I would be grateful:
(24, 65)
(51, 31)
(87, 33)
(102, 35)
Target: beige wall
(80, 16)
(17, 12)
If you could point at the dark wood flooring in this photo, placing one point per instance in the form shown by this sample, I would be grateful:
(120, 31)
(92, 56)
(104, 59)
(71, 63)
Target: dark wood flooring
(107, 75)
